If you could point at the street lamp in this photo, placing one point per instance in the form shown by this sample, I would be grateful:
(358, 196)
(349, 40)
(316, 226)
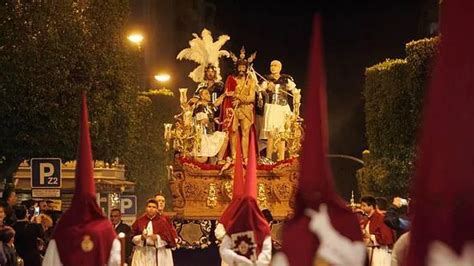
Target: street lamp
(136, 38)
(162, 77)
(352, 158)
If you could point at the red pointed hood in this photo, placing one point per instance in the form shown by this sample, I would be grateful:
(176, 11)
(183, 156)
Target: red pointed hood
(443, 202)
(251, 171)
(315, 185)
(247, 215)
(84, 219)
(238, 187)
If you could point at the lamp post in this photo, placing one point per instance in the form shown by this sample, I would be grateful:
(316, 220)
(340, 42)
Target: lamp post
(352, 158)
(137, 39)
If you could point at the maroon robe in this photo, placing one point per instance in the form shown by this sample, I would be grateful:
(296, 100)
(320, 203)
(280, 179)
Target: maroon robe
(383, 234)
(161, 226)
(227, 106)
(443, 192)
(315, 184)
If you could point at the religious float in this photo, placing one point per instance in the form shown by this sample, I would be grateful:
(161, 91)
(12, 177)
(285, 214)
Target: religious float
(204, 135)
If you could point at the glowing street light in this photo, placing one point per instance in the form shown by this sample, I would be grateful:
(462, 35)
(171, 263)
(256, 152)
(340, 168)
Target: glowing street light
(162, 77)
(136, 38)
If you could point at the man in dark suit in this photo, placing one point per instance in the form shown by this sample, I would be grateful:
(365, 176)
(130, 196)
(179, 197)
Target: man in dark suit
(121, 227)
(26, 237)
(8, 201)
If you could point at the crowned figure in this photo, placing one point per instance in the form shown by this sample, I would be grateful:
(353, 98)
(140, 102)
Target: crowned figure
(237, 111)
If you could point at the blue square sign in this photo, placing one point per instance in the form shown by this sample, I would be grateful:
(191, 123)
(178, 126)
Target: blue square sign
(128, 205)
(45, 173)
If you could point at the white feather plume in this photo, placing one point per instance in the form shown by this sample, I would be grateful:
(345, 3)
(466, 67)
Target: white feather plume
(203, 50)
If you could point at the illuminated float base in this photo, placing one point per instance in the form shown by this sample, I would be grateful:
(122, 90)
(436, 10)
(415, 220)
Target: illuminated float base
(200, 193)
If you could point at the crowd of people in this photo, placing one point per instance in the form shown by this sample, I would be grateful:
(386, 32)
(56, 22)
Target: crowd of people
(25, 229)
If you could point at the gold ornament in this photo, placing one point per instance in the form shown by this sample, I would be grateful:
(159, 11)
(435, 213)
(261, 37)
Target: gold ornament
(212, 196)
(87, 245)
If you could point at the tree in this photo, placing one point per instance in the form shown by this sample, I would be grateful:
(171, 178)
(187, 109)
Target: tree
(393, 94)
(147, 158)
(50, 51)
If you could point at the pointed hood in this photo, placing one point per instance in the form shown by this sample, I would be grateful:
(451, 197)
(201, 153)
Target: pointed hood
(251, 171)
(238, 187)
(315, 185)
(247, 216)
(444, 186)
(84, 181)
(84, 220)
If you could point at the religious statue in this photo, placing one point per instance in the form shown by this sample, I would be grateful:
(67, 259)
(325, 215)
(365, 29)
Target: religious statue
(203, 104)
(277, 88)
(212, 142)
(238, 102)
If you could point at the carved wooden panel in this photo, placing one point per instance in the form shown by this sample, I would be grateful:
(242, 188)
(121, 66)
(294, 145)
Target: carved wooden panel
(199, 193)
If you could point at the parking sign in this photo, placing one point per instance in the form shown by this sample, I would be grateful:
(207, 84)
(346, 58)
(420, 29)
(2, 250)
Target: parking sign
(128, 205)
(45, 173)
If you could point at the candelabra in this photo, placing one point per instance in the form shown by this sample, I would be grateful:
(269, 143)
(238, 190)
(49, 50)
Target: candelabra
(291, 135)
(352, 204)
(296, 101)
(185, 136)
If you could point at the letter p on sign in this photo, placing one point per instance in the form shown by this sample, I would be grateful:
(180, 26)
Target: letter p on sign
(128, 205)
(46, 170)
(46, 173)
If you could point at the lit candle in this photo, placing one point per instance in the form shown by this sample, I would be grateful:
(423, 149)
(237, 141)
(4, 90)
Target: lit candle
(170, 172)
(183, 98)
(167, 133)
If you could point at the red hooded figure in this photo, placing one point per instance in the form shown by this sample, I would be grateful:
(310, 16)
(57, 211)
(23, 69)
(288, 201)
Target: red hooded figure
(238, 187)
(248, 237)
(83, 235)
(443, 196)
(315, 188)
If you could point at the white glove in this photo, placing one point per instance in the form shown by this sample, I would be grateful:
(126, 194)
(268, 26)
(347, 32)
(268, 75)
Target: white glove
(219, 232)
(334, 247)
(320, 222)
(440, 254)
(280, 259)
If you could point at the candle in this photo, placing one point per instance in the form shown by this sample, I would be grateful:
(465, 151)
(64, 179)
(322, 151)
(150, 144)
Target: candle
(167, 133)
(183, 98)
